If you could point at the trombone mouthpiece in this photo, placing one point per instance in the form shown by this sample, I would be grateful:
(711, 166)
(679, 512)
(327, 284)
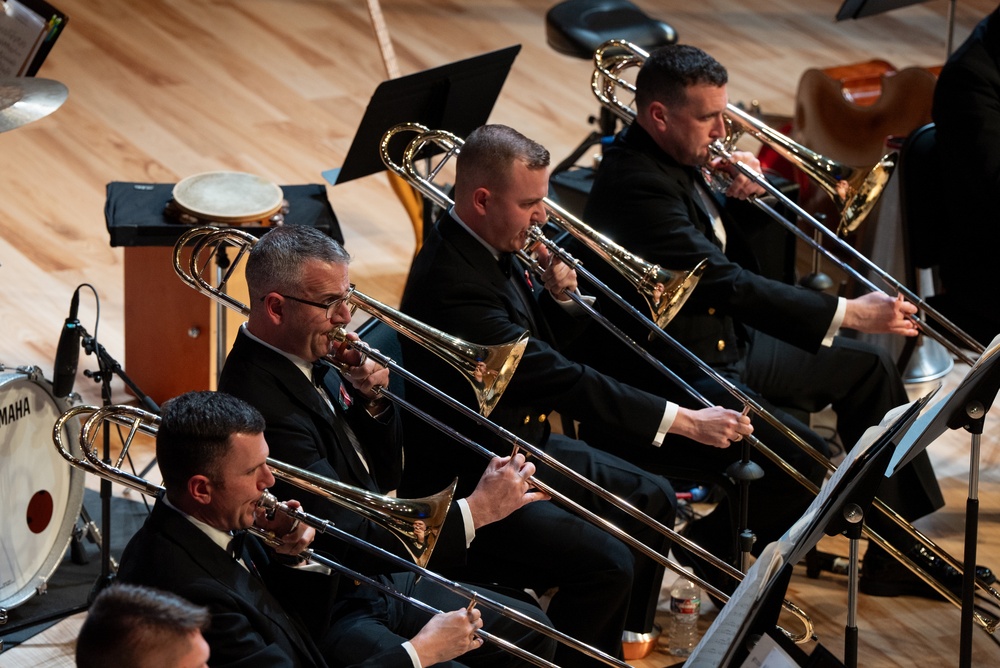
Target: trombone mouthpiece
(269, 502)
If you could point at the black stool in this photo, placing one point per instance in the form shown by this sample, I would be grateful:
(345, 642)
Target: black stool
(577, 28)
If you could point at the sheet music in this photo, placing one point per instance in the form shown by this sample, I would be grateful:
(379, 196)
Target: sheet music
(712, 649)
(934, 422)
(714, 646)
(871, 435)
(768, 654)
(21, 33)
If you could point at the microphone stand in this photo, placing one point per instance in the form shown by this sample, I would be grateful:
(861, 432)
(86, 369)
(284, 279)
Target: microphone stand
(108, 368)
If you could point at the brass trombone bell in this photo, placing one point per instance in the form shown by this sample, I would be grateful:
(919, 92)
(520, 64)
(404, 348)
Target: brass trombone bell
(487, 368)
(399, 516)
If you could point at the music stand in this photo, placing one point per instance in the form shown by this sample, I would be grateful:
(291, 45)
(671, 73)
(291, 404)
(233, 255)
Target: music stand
(752, 611)
(858, 9)
(457, 97)
(965, 408)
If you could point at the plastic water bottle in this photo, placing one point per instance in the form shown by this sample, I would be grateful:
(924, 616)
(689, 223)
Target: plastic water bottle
(685, 606)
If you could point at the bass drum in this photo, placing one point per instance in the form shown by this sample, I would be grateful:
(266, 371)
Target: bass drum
(40, 492)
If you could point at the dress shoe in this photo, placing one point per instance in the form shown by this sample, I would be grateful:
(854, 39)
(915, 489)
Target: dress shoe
(881, 575)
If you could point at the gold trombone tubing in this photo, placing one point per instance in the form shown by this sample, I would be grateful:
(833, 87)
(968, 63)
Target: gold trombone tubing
(426, 185)
(605, 82)
(853, 191)
(389, 512)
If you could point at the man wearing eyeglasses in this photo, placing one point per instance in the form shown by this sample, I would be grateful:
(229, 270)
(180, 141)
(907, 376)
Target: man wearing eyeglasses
(333, 423)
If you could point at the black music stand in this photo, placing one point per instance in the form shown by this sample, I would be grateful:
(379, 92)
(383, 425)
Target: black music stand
(859, 9)
(965, 408)
(752, 611)
(457, 97)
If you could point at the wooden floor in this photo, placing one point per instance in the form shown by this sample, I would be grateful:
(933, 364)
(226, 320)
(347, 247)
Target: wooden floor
(160, 90)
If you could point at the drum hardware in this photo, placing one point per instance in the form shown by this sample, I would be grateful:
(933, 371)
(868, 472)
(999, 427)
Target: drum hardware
(108, 368)
(41, 499)
(26, 99)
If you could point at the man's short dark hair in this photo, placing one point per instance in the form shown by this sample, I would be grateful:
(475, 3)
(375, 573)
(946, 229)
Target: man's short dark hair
(127, 623)
(669, 70)
(489, 148)
(276, 260)
(194, 434)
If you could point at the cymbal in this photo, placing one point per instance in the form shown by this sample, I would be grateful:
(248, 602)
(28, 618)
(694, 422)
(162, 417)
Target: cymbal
(26, 99)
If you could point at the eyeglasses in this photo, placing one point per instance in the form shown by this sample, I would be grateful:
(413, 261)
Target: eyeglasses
(331, 308)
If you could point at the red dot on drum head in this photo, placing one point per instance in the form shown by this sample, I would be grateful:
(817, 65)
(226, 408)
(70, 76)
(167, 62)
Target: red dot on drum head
(40, 511)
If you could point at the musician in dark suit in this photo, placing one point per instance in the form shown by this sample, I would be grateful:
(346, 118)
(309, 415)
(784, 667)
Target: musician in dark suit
(776, 341)
(465, 282)
(966, 100)
(335, 426)
(211, 451)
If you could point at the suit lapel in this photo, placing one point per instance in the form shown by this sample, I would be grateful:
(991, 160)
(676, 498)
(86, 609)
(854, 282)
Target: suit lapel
(220, 566)
(335, 389)
(485, 265)
(300, 387)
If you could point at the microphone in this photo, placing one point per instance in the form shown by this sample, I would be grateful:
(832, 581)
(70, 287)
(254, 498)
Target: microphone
(67, 352)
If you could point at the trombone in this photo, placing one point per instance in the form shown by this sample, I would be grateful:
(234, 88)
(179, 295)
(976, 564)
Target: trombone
(396, 515)
(605, 82)
(855, 192)
(401, 323)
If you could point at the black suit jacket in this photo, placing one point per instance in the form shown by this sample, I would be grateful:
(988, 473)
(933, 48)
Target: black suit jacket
(299, 432)
(967, 120)
(249, 626)
(255, 621)
(457, 286)
(645, 201)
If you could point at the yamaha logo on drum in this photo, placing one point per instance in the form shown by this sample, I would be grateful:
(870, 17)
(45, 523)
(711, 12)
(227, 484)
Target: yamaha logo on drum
(15, 411)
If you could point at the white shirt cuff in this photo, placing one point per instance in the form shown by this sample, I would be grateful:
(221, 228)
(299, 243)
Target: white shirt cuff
(669, 414)
(470, 528)
(838, 320)
(413, 654)
(571, 305)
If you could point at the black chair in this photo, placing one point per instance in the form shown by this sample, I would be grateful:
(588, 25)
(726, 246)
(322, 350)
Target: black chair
(923, 210)
(577, 28)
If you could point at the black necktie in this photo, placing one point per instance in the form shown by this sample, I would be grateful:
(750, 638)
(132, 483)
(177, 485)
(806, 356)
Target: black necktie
(505, 260)
(345, 434)
(237, 543)
(238, 551)
(319, 371)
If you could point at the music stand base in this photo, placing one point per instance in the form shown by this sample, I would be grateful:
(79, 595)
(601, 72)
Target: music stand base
(971, 540)
(854, 516)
